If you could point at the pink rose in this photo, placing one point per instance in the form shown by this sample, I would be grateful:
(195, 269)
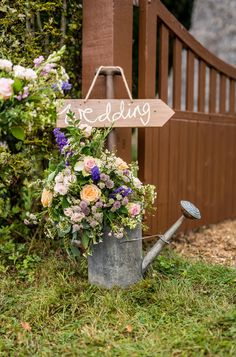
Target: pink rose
(6, 89)
(133, 209)
(89, 163)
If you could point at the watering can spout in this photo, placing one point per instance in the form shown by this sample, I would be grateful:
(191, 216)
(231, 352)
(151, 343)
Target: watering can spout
(188, 211)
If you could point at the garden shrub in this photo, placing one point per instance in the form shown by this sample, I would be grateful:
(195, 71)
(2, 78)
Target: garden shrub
(33, 28)
(28, 99)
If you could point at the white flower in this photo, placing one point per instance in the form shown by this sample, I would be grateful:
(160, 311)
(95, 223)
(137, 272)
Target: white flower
(61, 189)
(79, 166)
(137, 182)
(59, 178)
(69, 179)
(87, 130)
(24, 73)
(5, 65)
(30, 74)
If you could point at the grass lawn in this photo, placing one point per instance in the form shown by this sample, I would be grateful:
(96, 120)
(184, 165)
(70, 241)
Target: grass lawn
(182, 308)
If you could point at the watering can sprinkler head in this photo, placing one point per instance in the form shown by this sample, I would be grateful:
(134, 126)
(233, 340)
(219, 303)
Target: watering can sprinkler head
(189, 211)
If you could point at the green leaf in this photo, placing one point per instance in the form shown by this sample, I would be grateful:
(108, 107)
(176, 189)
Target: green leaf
(18, 132)
(75, 251)
(17, 85)
(51, 176)
(85, 240)
(65, 203)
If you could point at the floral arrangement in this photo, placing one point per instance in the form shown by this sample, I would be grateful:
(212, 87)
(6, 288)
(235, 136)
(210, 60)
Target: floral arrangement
(27, 95)
(91, 188)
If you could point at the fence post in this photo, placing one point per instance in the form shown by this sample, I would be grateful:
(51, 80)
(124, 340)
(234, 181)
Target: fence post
(107, 40)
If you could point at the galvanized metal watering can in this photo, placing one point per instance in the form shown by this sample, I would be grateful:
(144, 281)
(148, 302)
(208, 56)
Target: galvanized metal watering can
(119, 262)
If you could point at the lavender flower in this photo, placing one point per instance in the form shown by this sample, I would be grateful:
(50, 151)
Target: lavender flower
(109, 184)
(60, 138)
(66, 86)
(116, 205)
(95, 174)
(38, 61)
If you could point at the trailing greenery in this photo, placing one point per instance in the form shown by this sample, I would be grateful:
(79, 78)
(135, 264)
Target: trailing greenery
(33, 28)
(181, 309)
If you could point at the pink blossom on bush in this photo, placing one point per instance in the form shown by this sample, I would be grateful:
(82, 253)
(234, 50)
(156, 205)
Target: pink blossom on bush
(6, 89)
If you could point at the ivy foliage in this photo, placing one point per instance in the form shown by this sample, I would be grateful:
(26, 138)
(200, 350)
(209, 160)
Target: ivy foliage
(33, 28)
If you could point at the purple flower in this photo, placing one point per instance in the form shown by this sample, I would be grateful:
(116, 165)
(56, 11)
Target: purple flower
(55, 87)
(95, 174)
(38, 61)
(83, 205)
(60, 138)
(109, 184)
(104, 177)
(123, 191)
(116, 205)
(25, 92)
(47, 68)
(66, 86)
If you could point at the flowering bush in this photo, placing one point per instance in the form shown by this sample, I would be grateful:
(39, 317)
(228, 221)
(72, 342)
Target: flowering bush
(27, 116)
(27, 96)
(91, 188)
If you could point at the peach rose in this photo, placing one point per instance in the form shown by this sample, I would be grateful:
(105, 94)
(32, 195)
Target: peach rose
(6, 89)
(90, 193)
(46, 198)
(121, 164)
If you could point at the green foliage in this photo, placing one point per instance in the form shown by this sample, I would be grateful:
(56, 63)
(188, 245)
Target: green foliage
(33, 28)
(188, 312)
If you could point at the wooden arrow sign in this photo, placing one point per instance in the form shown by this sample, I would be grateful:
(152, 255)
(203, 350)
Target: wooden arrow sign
(119, 112)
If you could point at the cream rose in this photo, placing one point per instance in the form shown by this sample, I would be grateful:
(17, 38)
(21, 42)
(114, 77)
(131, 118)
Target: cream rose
(121, 164)
(90, 193)
(46, 198)
(6, 89)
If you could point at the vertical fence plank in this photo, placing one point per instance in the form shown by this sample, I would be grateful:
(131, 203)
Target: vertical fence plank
(177, 73)
(163, 151)
(107, 40)
(232, 96)
(163, 63)
(147, 75)
(222, 94)
(201, 86)
(212, 91)
(190, 81)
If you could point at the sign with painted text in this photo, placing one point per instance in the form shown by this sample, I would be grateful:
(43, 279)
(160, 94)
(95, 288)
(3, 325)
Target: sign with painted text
(101, 113)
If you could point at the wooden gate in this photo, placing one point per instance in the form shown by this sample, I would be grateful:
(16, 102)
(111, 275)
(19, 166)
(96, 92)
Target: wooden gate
(192, 157)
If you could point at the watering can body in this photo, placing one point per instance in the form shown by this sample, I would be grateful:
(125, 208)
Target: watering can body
(115, 264)
(119, 262)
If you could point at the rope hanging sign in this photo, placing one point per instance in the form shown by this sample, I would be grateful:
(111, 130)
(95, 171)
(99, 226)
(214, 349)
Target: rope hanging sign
(119, 112)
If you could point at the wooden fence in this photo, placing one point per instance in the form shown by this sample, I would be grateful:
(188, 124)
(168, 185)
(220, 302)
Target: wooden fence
(192, 157)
